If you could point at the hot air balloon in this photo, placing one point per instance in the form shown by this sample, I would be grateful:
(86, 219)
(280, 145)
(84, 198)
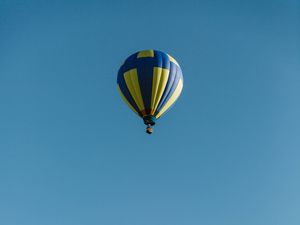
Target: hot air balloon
(149, 82)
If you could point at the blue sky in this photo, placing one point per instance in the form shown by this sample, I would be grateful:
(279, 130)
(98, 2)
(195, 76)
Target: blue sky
(227, 153)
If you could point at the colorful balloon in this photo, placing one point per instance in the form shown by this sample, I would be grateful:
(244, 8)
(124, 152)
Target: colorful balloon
(149, 82)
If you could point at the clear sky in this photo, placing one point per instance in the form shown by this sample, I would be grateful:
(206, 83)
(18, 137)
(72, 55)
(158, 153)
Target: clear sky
(72, 153)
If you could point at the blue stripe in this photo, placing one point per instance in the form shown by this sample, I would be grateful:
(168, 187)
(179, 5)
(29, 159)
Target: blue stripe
(145, 75)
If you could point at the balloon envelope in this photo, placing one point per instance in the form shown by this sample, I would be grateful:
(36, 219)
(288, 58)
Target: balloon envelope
(149, 82)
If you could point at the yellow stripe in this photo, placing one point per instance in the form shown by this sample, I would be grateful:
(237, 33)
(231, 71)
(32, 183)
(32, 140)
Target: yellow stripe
(145, 53)
(132, 82)
(125, 100)
(160, 79)
(172, 99)
(173, 60)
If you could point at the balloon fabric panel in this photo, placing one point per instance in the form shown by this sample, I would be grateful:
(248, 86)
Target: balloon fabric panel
(150, 81)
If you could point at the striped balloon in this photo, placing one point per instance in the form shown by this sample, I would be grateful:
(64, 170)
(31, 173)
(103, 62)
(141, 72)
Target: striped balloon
(150, 82)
